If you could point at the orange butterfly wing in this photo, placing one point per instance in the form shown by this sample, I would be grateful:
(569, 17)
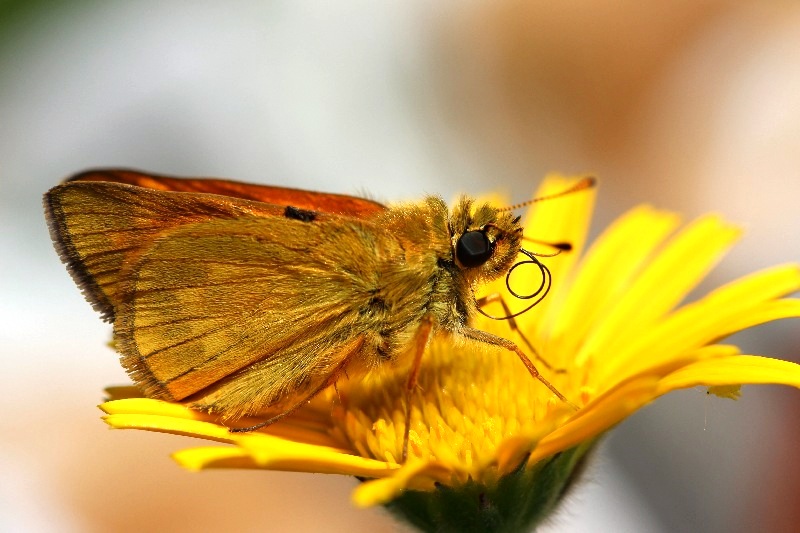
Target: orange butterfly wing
(98, 226)
(117, 230)
(339, 204)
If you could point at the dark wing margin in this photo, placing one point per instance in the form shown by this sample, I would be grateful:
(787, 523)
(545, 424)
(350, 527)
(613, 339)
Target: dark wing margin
(338, 204)
(62, 241)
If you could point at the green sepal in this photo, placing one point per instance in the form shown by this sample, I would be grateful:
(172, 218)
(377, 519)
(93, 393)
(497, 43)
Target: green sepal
(519, 501)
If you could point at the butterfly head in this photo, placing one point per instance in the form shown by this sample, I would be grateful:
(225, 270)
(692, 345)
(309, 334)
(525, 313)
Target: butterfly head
(485, 240)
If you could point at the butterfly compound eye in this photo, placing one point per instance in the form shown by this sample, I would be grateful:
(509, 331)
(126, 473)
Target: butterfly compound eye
(473, 249)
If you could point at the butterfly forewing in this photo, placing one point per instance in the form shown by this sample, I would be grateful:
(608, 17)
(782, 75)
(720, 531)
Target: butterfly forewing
(199, 285)
(100, 228)
(339, 204)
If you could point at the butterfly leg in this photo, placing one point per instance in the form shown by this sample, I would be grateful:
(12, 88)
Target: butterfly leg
(421, 342)
(494, 340)
(512, 323)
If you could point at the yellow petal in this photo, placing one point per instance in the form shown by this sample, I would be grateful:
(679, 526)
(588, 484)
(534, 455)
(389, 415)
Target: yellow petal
(419, 475)
(766, 312)
(597, 417)
(565, 219)
(606, 273)
(274, 453)
(760, 286)
(148, 406)
(714, 369)
(300, 427)
(169, 424)
(664, 283)
(205, 457)
(734, 307)
(619, 402)
(687, 330)
(511, 452)
(735, 370)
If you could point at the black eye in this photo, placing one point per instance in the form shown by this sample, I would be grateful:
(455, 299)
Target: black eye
(473, 249)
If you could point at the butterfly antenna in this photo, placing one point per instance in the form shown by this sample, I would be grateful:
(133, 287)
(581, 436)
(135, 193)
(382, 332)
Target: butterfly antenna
(558, 246)
(585, 183)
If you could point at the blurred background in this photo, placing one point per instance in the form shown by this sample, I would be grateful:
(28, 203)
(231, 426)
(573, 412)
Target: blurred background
(693, 105)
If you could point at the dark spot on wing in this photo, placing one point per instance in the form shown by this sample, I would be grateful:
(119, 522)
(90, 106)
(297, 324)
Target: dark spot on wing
(302, 215)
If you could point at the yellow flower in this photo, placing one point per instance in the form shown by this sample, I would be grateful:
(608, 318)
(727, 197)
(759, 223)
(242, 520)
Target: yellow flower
(611, 336)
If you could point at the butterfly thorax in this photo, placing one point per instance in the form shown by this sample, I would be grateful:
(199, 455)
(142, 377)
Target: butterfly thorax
(421, 273)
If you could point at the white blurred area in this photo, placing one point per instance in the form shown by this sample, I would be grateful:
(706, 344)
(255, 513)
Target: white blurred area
(690, 105)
